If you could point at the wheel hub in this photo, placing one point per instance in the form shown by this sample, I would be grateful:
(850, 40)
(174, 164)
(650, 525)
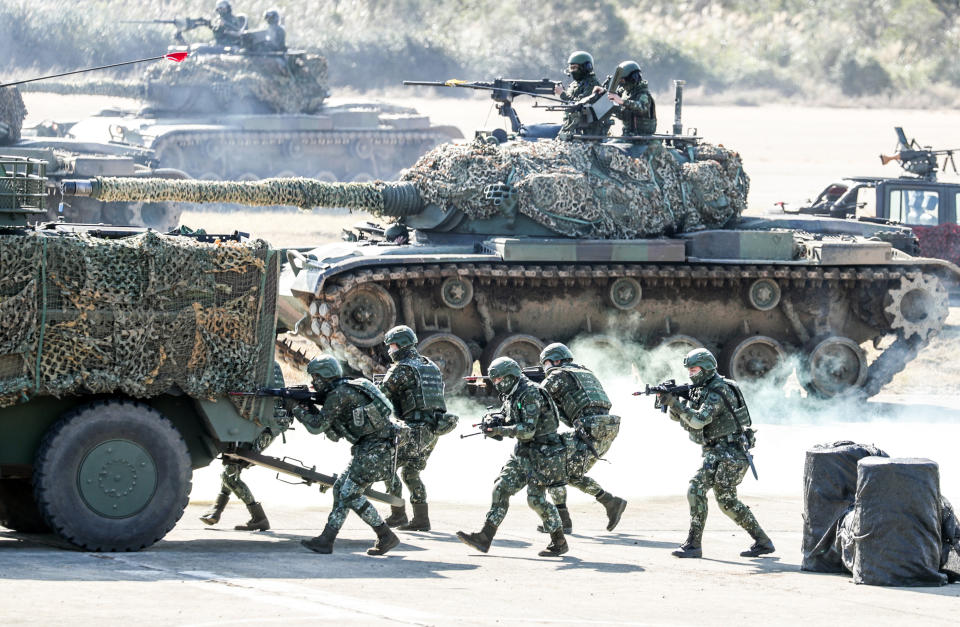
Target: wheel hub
(918, 306)
(117, 478)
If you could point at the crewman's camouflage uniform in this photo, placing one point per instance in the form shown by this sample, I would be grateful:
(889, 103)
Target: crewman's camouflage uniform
(571, 119)
(638, 111)
(227, 27)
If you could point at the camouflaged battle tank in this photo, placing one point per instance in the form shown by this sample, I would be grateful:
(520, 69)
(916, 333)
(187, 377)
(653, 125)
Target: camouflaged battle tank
(69, 158)
(500, 248)
(246, 116)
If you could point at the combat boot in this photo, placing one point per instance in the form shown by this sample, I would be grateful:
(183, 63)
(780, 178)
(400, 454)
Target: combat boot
(558, 545)
(421, 519)
(258, 520)
(386, 540)
(322, 543)
(614, 506)
(397, 517)
(212, 516)
(565, 521)
(480, 540)
(690, 548)
(762, 545)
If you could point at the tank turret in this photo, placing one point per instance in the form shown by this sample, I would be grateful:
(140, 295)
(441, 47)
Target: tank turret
(513, 245)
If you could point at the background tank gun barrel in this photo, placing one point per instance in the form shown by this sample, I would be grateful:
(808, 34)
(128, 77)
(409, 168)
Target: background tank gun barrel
(386, 199)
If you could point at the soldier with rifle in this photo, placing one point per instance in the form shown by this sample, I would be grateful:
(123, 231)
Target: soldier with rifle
(538, 461)
(581, 89)
(635, 106)
(716, 417)
(414, 385)
(584, 406)
(356, 410)
(227, 28)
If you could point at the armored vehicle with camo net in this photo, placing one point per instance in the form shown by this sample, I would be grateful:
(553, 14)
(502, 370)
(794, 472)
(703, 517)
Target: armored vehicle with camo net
(244, 116)
(123, 352)
(499, 248)
(70, 158)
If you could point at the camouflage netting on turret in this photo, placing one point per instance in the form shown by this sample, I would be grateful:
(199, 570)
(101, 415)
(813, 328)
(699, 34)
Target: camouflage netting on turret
(12, 113)
(588, 189)
(288, 84)
(140, 316)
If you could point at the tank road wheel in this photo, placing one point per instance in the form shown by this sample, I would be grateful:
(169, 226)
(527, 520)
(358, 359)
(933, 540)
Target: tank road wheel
(680, 344)
(368, 311)
(625, 293)
(751, 358)
(456, 292)
(522, 348)
(112, 476)
(918, 306)
(326, 176)
(18, 509)
(361, 177)
(159, 216)
(173, 156)
(452, 356)
(763, 294)
(834, 365)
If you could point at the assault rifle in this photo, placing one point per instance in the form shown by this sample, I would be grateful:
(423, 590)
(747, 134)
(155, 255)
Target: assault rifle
(299, 393)
(503, 91)
(594, 107)
(667, 387)
(921, 161)
(482, 385)
(492, 419)
(182, 25)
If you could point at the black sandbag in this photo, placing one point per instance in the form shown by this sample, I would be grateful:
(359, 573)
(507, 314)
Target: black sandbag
(829, 487)
(895, 524)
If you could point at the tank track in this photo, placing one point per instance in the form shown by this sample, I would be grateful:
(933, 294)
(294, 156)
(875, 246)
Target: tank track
(890, 362)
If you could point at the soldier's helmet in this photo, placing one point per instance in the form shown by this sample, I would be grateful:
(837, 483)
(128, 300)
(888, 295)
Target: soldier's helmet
(555, 352)
(397, 233)
(700, 357)
(271, 16)
(325, 367)
(630, 70)
(223, 7)
(582, 58)
(504, 367)
(403, 336)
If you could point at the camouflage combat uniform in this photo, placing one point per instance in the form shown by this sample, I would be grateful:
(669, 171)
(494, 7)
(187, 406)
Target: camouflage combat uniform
(638, 111)
(357, 411)
(710, 419)
(538, 460)
(571, 119)
(227, 28)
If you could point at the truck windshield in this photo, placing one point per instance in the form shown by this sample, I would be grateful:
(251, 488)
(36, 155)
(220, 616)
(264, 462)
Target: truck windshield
(914, 206)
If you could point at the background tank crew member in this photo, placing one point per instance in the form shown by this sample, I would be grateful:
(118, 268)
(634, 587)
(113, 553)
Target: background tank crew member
(636, 108)
(580, 69)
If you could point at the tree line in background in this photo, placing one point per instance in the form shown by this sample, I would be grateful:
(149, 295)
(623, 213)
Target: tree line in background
(792, 49)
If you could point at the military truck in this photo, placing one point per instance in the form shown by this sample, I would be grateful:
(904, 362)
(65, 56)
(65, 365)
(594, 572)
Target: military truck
(121, 350)
(69, 158)
(236, 114)
(498, 248)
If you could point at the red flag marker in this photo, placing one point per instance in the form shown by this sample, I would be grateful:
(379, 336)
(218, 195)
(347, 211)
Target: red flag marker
(170, 56)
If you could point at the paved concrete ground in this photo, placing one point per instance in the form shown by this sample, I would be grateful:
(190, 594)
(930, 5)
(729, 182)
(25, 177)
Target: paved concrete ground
(216, 576)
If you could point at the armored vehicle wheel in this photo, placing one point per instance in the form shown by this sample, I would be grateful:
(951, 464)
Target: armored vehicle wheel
(522, 348)
(763, 294)
(362, 177)
(918, 306)
(751, 358)
(172, 156)
(625, 293)
(112, 476)
(326, 176)
(680, 344)
(117, 213)
(456, 292)
(18, 509)
(367, 312)
(452, 356)
(834, 365)
(159, 216)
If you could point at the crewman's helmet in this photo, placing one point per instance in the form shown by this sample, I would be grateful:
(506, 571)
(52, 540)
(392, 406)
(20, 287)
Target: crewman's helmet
(507, 370)
(705, 360)
(630, 71)
(555, 352)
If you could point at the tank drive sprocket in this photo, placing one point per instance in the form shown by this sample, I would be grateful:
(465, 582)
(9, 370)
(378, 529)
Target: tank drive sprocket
(917, 306)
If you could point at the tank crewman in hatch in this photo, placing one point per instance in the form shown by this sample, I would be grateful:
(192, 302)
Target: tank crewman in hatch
(230, 479)
(414, 385)
(716, 417)
(356, 410)
(227, 27)
(635, 106)
(273, 38)
(580, 69)
(583, 406)
(537, 462)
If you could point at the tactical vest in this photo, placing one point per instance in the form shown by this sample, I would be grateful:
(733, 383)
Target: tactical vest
(636, 123)
(427, 395)
(735, 416)
(549, 419)
(581, 390)
(369, 418)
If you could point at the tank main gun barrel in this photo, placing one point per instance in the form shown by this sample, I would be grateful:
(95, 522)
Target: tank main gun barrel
(385, 199)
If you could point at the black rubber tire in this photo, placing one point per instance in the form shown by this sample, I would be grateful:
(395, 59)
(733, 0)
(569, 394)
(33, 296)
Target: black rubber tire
(18, 509)
(64, 448)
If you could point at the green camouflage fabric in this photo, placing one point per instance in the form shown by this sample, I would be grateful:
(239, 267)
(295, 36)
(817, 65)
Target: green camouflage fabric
(372, 456)
(724, 462)
(226, 29)
(539, 458)
(135, 316)
(416, 446)
(638, 111)
(12, 113)
(230, 478)
(571, 119)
